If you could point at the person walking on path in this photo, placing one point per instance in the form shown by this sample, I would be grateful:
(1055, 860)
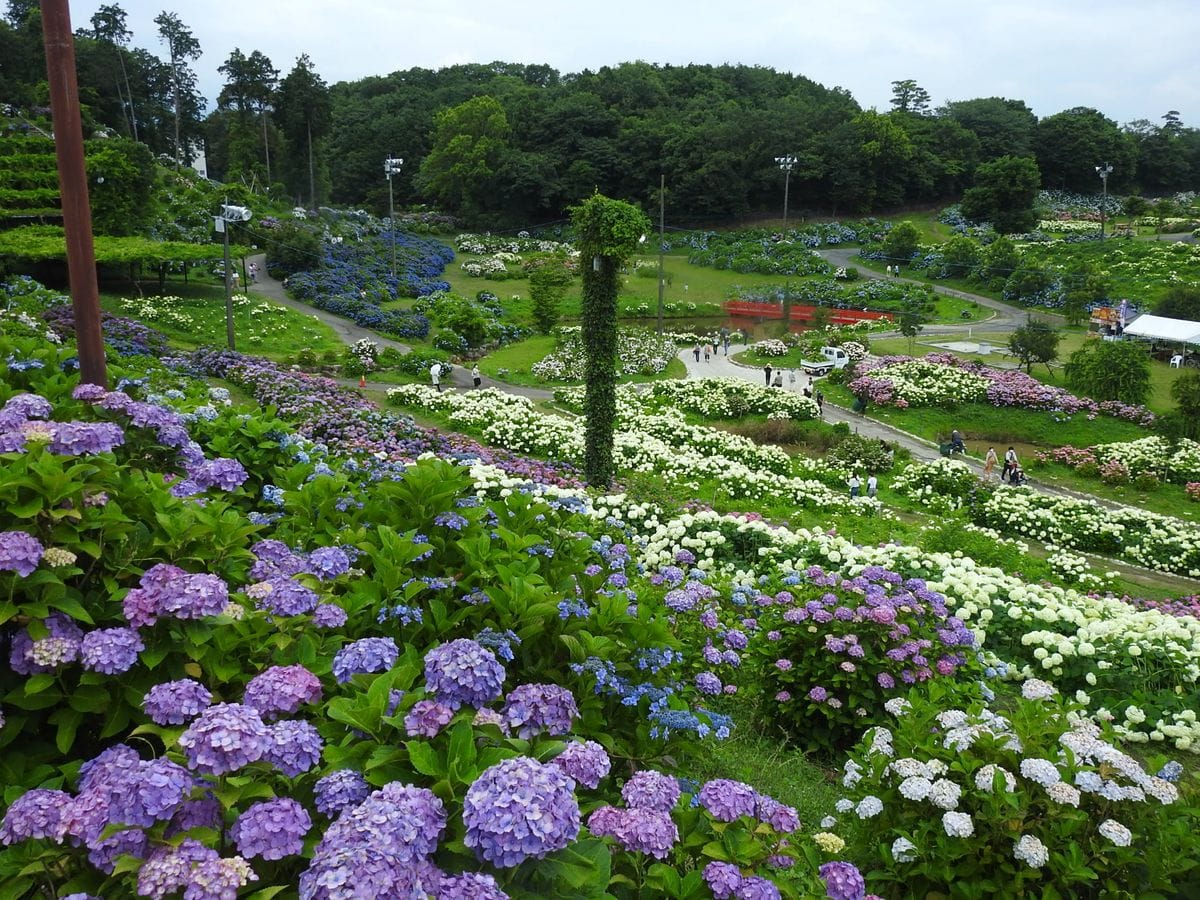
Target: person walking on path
(791, 379)
(855, 483)
(476, 377)
(820, 398)
(1010, 464)
(872, 485)
(707, 353)
(435, 375)
(696, 352)
(767, 373)
(989, 463)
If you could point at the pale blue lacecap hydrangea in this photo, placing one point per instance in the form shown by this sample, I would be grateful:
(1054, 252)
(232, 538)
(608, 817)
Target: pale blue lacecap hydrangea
(225, 738)
(271, 829)
(339, 791)
(282, 689)
(520, 809)
(585, 761)
(365, 656)
(531, 709)
(293, 746)
(174, 702)
(649, 789)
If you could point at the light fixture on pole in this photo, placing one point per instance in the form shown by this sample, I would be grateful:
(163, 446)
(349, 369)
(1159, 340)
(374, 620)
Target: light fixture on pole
(662, 193)
(391, 166)
(786, 163)
(229, 214)
(1103, 171)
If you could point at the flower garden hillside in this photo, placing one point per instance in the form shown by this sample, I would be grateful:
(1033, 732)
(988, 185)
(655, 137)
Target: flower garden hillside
(313, 648)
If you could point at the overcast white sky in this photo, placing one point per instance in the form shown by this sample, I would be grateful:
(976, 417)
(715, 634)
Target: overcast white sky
(1131, 59)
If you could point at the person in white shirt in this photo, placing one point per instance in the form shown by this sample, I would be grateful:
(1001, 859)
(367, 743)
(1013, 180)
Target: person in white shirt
(435, 375)
(855, 483)
(872, 485)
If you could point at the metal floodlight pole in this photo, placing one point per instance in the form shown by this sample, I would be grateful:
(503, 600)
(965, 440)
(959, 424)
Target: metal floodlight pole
(662, 206)
(391, 166)
(230, 214)
(786, 163)
(72, 180)
(1103, 171)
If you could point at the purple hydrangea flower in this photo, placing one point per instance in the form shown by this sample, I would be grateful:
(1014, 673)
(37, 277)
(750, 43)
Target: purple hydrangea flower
(708, 683)
(329, 615)
(282, 689)
(533, 708)
(329, 562)
(755, 887)
(19, 552)
(463, 672)
(226, 474)
(367, 870)
(272, 829)
(339, 791)
(287, 597)
(85, 438)
(193, 597)
(783, 819)
(637, 830)
(722, 879)
(364, 656)
(174, 702)
(61, 646)
(150, 792)
(728, 800)
(293, 747)
(401, 820)
(427, 718)
(104, 853)
(471, 886)
(110, 651)
(225, 738)
(585, 761)
(649, 789)
(205, 812)
(167, 869)
(218, 878)
(36, 814)
(520, 809)
(843, 881)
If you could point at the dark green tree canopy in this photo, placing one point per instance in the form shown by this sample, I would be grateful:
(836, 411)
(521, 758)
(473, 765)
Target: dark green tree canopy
(1004, 192)
(1110, 370)
(1034, 342)
(1070, 144)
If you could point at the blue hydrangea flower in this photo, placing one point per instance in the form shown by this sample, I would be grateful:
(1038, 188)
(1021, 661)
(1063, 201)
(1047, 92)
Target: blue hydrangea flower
(463, 672)
(531, 709)
(585, 761)
(271, 829)
(225, 738)
(520, 809)
(339, 791)
(365, 656)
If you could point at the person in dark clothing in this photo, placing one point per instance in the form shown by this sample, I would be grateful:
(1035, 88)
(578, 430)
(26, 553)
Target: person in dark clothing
(767, 373)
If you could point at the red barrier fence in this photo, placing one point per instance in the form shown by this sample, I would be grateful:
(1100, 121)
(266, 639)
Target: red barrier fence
(802, 313)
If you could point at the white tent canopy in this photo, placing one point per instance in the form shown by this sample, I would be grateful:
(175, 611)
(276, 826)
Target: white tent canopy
(1163, 329)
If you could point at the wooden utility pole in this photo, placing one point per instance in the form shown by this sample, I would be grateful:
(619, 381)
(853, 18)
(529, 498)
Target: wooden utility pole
(72, 184)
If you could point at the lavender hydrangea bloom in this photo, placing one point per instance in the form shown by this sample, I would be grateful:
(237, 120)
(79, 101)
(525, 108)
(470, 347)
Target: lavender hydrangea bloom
(61, 646)
(364, 870)
(205, 812)
(427, 718)
(756, 887)
(843, 881)
(19, 552)
(637, 830)
(708, 683)
(108, 766)
(585, 761)
(218, 878)
(276, 558)
(226, 474)
(282, 689)
(293, 747)
(36, 814)
(110, 651)
(225, 738)
(471, 886)
(364, 656)
(722, 879)
(398, 819)
(194, 597)
(728, 800)
(167, 869)
(104, 853)
(28, 406)
(339, 791)
(150, 792)
(329, 615)
(649, 789)
(520, 809)
(533, 708)
(329, 562)
(85, 438)
(287, 597)
(272, 829)
(174, 702)
(463, 672)
(783, 819)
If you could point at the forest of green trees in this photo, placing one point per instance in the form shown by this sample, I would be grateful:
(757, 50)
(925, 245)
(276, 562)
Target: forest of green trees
(511, 145)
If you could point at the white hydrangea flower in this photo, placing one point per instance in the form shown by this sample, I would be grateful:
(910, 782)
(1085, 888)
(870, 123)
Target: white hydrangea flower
(1041, 771)
(1063, 794)
(829, 821)
(1116, 832)
(869, 806)
(904, 850)
(1162, 791)
(985, 777)
(944, 794)
(843, 805)
(915, 788)
(907, 767)
(958, 824)
(1031, 851)
(1036, 689)
(897, 706)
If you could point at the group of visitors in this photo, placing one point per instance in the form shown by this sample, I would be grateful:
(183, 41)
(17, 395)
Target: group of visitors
(436, 371)
(773, 377)
(856, 484)
(1010, 473)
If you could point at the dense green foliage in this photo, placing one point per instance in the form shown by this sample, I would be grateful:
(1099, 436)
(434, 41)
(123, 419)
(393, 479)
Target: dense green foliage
(1110, 370)
(1034, 342)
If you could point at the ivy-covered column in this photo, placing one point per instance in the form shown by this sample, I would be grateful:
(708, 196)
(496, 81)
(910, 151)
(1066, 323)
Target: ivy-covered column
(608, 233)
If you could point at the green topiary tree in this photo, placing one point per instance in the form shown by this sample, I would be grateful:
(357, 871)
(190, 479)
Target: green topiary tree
(902, 242)
(547, 285)
(1034, 342)
(1110, 370)
(609, 231)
